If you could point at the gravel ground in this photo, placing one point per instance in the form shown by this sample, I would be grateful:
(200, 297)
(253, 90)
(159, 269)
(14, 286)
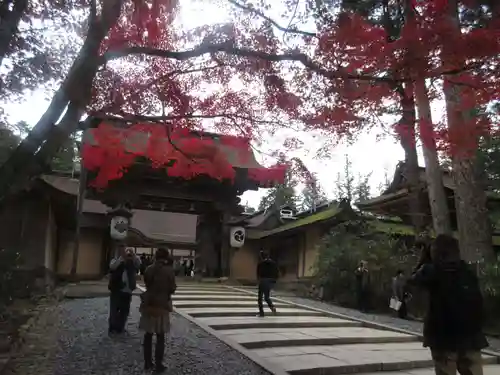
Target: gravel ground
(71, 339)
(410, 325)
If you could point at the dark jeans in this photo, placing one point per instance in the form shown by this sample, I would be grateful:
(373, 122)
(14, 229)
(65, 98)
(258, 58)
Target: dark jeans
(148, 349)
(119, 308)
(264, 292)
(363, 297)
(403, 310)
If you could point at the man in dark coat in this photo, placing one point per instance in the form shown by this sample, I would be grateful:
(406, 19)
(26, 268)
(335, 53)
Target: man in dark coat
(267, 274)
(453, 324)
(122, 282)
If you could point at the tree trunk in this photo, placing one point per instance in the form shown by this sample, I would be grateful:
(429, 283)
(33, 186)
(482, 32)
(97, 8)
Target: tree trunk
(474, 225)
(433, 172)
(408, 143)
(75, 90)
(9, 23)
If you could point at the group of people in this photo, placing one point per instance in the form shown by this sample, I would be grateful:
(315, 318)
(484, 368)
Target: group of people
(454, 320)
(156, 301)
(186, 267)
(146, 261)
(452, 326)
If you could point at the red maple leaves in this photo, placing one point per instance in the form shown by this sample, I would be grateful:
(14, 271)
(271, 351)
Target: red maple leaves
(110, 151)
(338, 83)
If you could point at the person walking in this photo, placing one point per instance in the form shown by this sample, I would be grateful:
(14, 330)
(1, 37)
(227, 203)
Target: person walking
(122, 282)
(362, 286)
(453, 323)
(156, 306)
(267, 274)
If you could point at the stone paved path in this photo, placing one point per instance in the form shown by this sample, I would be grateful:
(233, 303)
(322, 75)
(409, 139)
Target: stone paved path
(302, 341)
(409, 325)
(71, 338)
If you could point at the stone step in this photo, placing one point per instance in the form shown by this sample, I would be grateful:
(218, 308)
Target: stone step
(487, 370)
(204, 312)
(205, 292)
(225, 323)
(396, 358)
(205, 303)
(255, 338)
(212, 297)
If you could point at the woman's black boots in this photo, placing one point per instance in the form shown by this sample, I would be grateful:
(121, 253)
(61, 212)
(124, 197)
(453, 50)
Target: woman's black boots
(148, 351)
(159, 352)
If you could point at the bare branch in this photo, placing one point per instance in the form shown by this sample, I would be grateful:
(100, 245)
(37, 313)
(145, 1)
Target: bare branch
(93, 10)
(251, 9)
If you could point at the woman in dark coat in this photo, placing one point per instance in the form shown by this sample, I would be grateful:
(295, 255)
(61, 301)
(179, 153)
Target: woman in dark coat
(156, 306)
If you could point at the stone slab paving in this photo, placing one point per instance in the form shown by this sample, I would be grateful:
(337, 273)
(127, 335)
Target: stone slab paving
(243, 311)
(213, 297)
(206, 292)
(409, 325)
(488, 370)
(308, 342)
(278, 337)
(358, 358)
(234, 303)
(225, 323)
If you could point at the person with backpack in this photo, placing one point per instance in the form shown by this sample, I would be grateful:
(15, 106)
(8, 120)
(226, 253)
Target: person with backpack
(267, 274)
(453, 323)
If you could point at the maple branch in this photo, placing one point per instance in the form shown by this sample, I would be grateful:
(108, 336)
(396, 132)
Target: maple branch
(131, 118)
(251, 9)
(229, 48)
(170, 74)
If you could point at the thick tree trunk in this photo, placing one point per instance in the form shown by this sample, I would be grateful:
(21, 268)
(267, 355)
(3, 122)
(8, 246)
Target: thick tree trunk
(408, 142)
(11, 14)
(433, 173)
(75, 92)
(474, 225)
(437, 196)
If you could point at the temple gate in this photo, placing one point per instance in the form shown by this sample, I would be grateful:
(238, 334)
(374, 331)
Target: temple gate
(149, 177)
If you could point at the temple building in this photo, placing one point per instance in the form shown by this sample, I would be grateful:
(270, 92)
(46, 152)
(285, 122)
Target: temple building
(60, 224)
(394, 202)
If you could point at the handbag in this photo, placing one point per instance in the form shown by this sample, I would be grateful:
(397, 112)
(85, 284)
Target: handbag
(395, 304)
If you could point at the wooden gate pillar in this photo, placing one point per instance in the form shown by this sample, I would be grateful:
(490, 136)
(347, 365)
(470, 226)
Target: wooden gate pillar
(207, 254)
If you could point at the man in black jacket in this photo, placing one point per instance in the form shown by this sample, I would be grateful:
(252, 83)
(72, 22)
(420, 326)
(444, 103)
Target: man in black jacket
(453, 323)
(122, 282)
(267, 274)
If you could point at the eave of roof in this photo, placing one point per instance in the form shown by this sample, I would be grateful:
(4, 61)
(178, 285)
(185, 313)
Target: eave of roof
(385, 198)
(407, 230)
(308, 220)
